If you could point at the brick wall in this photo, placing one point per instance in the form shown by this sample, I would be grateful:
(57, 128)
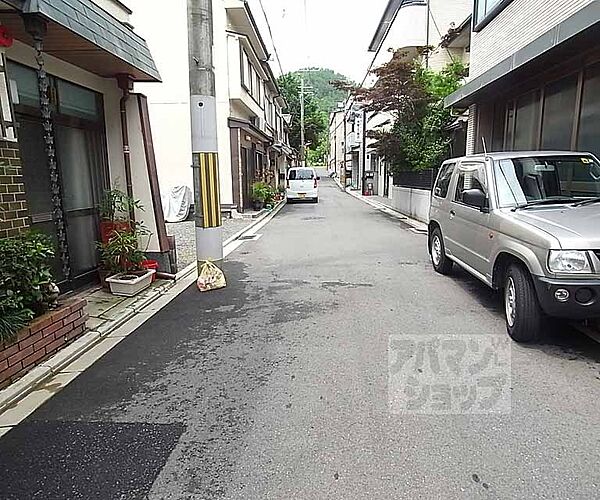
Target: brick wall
(47, 335)
(516, 26)
(14, 216)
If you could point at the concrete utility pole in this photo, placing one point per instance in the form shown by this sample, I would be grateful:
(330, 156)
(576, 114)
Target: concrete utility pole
(209, 230)
(302, 124)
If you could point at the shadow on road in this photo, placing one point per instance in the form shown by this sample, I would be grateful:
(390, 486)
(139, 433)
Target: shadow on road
(562, 340)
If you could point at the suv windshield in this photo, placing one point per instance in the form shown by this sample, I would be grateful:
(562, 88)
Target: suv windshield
(301, 174)
(546, 180)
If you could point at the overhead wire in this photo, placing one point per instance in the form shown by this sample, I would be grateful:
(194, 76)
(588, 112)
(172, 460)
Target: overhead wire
(262, 7)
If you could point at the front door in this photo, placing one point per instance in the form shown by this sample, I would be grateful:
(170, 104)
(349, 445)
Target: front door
(80, 141)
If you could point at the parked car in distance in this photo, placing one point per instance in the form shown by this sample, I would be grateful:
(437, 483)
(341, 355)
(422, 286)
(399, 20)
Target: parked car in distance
(525, 223)
(302, 184)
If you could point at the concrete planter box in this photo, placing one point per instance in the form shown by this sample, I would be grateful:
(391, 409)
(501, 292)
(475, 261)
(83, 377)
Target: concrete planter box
(44, 337)
(125, 285)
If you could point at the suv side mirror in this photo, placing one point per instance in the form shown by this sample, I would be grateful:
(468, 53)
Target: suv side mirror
(475, 198)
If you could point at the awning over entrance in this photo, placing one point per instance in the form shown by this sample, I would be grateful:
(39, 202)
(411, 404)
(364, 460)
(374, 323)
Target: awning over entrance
(577, 33)
(85, 35)
(250, 129)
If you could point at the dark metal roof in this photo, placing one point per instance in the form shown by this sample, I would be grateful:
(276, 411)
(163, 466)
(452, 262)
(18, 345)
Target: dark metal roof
(94, 24)
(387, 21)
(563, 36)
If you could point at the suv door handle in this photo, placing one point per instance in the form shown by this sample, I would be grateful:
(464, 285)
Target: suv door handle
(452, 214)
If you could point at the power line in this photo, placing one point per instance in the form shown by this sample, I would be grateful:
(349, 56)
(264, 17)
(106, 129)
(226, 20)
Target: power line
(262, 7)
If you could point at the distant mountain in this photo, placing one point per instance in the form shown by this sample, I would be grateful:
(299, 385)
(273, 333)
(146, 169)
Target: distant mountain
(324, 92)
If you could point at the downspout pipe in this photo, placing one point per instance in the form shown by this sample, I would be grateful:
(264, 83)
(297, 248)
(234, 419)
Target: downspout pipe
(126, 85)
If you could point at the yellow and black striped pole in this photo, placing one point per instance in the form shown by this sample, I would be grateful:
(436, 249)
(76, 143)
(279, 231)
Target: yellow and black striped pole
(210, 190)
(203, 106)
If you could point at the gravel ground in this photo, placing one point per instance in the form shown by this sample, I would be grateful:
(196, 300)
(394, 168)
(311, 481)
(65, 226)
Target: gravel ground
(185, 238)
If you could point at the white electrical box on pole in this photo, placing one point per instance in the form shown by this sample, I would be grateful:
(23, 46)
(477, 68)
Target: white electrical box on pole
(209, 230)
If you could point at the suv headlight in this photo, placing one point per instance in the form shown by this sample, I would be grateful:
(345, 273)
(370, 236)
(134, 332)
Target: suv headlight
(569, 261)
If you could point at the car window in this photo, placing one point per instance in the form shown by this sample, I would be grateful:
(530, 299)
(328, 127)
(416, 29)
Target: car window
(531, 179)
(301, 174)
(471, 176)
(443, 181)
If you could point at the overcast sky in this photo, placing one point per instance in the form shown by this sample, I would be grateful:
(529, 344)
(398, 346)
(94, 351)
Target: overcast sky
(338, 35)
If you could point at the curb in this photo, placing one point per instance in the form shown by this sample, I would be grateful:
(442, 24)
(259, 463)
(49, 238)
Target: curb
(20, 389)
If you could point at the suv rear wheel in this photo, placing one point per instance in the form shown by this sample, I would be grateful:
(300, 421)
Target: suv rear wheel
(524, 316)
(441, 263)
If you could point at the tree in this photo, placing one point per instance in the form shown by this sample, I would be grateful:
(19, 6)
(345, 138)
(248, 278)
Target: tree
(315, 119)
(325, 93)
(414, 97)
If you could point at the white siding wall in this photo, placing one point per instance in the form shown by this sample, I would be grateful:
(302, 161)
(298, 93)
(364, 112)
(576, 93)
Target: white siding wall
(114, 8)
(516, 26)
(169, 101)
(222, 77)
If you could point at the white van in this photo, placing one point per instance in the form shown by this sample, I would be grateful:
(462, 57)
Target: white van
(303, 184)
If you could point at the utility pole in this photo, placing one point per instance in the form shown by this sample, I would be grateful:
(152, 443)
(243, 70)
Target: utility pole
(302, 124)
(209, 230)
(428, 36)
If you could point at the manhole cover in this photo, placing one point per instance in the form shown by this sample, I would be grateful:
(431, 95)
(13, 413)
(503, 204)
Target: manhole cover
(249, 237)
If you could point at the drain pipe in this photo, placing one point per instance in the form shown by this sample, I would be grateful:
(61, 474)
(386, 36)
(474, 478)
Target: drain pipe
(126, 85)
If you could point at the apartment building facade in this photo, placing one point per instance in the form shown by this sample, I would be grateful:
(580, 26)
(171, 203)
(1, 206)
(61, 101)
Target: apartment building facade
(408, 26)
(252, 127)
(63, 147)
(535, 76)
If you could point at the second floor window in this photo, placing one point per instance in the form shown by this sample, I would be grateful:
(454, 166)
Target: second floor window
(485, 10)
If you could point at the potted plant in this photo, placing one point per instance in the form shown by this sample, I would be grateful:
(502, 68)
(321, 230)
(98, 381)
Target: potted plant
(115, 209)
(259, 195)
(122, 256)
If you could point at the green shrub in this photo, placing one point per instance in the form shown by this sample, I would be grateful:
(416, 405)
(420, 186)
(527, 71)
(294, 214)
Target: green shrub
(261, 191)
(25, 279)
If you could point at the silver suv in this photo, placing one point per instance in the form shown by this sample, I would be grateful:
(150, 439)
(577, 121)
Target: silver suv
(526, 223)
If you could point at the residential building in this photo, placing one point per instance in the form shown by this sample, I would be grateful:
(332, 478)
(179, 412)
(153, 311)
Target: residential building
(88, 132)
(337, 141)
(252, 128)
(535, 76)
(408, 26)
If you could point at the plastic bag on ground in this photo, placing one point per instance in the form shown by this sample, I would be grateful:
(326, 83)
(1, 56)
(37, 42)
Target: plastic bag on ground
(210, 278)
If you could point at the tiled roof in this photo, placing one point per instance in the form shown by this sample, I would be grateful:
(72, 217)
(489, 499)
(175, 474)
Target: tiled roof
(89, 21)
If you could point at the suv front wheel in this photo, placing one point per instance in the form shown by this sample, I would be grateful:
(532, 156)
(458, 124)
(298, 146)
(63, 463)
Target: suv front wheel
(441, 263)
(524, 316)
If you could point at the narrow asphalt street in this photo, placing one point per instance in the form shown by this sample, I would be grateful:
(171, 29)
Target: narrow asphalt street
(277, 386)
